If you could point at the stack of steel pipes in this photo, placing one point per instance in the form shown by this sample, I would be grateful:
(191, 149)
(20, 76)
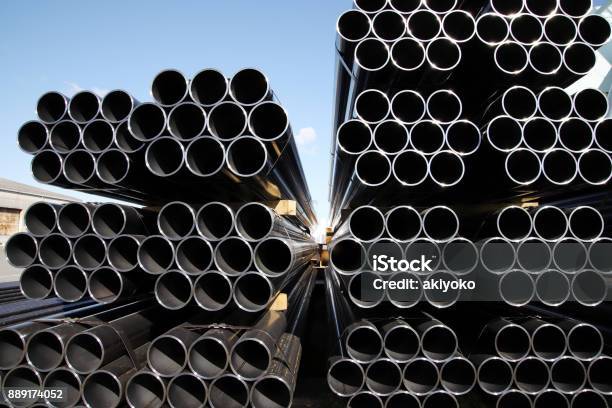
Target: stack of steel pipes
(206, 129)
(457, 110)
(197, 262)
(535, 362)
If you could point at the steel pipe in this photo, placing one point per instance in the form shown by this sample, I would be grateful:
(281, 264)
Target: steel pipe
(423, 25)
(194, 255)
(186, 121)
(388, 25)
(550, 398)
(145, 389)
(591, 104)
(497, 255)
(460, 256)
(212, 291)
(345, 377)
(440, 399)
(589, 288)
(575, 8)
(165, 156)
(523, 166)
(117, 105)
(560, 30)
(443, 54)
(79, 168)
(208, 87)
(233, 256)
(33, 136)
(440, 223)
(360, 290)
(444, 106)
(576, 135)
(526, 29)
(122, 252)
(36, 282)
(516, 288)
(598, 376)
(147, 121)
(89, 252)
(459, 26)
(595, 167)
(365, 399)
(22, 377)
(69, 381)
(391, 137)
(463, 137)
(427, 137)
(363, 342)
(401, 342)
(586, 223)
(568, 375)
(383, 377)
(579, 58)
(555, 104)
(534, 255)
(594, 30)
(539, 134)
(570, 255)
(514, 223)
(548, 341)
(253, 291)
(97, 136)
(550, 223)
(124, 140)
(408, 56)
(504, 133)
(402, 223)
(494, 375)
(215, 221)
(545, 59)
(65, 136)
(106, 285)
(84, 107)
(588, 398)
(408, 106)
(52, 107)
(531, 375)
(342, 256)
(255, 222)
(173, 290)
(410, 168)
(597, 255)
(601, 140)
(492, 28)
(438, 341)
(209, 354)
(169, 87)
(404, 6)
(249, 87)
(205, 156)
(228, 391)
(22, 250)
(74, 219)
(70, 284)
(514, 399)
(155, 254)
(187, 390)
(372, 106)
(511, 58)
(227, 120)
(275, 257)
(458, 375)
(167, 354)
(552, 288)
(446, 168)
(55, 251)
(541, 8)
(402, 399)
(246, 156)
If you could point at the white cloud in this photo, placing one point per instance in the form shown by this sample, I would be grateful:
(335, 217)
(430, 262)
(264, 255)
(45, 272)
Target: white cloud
(72, 88)
(306, 139)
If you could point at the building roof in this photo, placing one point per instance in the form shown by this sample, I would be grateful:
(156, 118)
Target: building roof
(11, 186)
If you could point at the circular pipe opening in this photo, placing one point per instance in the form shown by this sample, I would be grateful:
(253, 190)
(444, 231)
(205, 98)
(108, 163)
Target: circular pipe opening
(169, 87)
(155, 255)
(208, 87)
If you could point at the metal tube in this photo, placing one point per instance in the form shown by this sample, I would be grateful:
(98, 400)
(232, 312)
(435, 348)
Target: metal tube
(552, 288)
(545, 58)
(459, 26)
(539, 134)
(169, 87)
(402, 223)
(363, 342)
(519, 102)
(165, 156)
(22, 377)
(186, 121)
(438, 341)
(345, 377)
(576, 9)
(550, 223)
(343, 258)
(117, 105)
(89, 252)
(383, 377)
(504, 133)
(227, 120)
(52, 107)
(155, 254)
(410, 168)
(595, 167)
(176, 220)
(21, 250)
(598, 376)
(352, 27)
(493, 374)
(47, 168)
(492, 28)
(555, 104)
(391, 137)
(145, 389)
(70, 284)
(463, 137)
(215, 221)
(404, 6)
(401, 298)
(123, 139)
(514, 223)
(576, 135)
(458, 375)
(173, 290)
(233, 256)
(147, 121)
(548, 341)
(167, 355)
(388, 25)
(187, 390)
(550, 398)
(122, 252)
(228, 391)
(586, 223)
(276, 257)
(365, 224)
(444, 106)
(106, 285)
(588, 399)
(69, 381)
(408, 106)
(253, 291)
(401, 341)
(514, 399)
(365, 399)
(55, 251)
(443, 299)
(32, 136)
(601, 130)
(84, 107)
(568, 375)
(440, 223)
(511, 57)
(360, 290)
(370, 6)
(79, 168)
(424, 25)
(579, 58)
(560, 30)
(255, 222)
(531, 375)
(212, 291)
(111, 220)
(516, 288)
(584, 341)
(194, 255)
(408, 56)
(460, 256)
(97, 136)
(510, 340)
(427, 137)
(65, 136)
(372, 106)
(597, 255)
(246, 156)
(446, 168)
(443, 54)
(74, 219)
(541, 8)
(249, 87)
(591, 104)
(589, 288)
(36, 282)
(209, 354)
(402, 399)
(526, 29)
(497, 255)
(523, 166)
(208, 87)
(440, 399)
(594, 30)
(205, 156)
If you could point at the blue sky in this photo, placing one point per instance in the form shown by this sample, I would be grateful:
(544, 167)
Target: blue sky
(69, 45)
